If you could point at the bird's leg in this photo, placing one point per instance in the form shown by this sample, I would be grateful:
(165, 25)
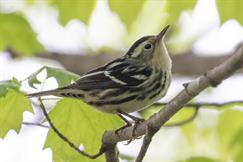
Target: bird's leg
(134, 118)
(128, 124)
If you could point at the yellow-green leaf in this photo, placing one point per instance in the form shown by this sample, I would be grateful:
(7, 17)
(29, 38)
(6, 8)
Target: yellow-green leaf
(82, 125)
(12, 106)
(75, 9)
(128, 10)
(16, 33)
(230, 9)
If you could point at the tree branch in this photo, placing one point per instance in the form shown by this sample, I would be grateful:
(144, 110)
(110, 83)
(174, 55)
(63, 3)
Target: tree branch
(211, 78)
(80, 64)
(206, 104)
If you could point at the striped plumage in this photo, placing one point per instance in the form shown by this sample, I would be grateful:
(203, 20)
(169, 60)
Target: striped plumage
(129, 83)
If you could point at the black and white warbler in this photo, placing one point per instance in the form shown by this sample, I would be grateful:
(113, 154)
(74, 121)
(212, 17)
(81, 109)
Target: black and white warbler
(127, 84)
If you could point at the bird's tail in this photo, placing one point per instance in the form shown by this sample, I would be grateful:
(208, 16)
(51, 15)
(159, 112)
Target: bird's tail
(54, 92)
(60, 92)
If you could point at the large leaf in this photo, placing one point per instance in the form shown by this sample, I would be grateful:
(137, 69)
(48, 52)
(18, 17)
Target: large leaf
(16, 33)
(230, 9)
(6, 84)
(128, 10)
(82, 125)
(12, 106)
(62, 77)
(79, 9)
(175, 7)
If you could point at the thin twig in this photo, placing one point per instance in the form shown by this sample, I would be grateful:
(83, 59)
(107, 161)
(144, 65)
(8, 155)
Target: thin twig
(35, 124)
(64, 138)
(146, 142)
(204, 104)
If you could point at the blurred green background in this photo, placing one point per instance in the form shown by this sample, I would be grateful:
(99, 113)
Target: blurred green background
(81, 34)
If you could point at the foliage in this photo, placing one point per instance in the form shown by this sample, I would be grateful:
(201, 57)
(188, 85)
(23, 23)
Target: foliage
(80, 9)
(230, 10)
(16, 33)
(82, 125)
(62, 77)
(12, 106)
(127, 10)
(75, 119)
(6, 84)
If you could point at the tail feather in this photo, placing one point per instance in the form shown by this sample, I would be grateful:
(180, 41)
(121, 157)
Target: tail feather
(54, 92)
(60, 92)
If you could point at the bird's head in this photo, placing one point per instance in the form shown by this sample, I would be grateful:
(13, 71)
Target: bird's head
(151, 50)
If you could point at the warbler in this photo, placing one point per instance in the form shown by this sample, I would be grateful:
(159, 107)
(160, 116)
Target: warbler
(130, 83)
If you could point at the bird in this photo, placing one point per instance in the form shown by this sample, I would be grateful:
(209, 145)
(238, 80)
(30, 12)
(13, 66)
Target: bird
(127, 84)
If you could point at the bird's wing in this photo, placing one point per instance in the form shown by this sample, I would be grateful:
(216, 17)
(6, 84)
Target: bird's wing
(115, 74)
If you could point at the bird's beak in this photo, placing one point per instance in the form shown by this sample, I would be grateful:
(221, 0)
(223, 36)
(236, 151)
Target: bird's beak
(161, 35)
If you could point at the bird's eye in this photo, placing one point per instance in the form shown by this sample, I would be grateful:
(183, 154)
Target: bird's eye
(148, 46)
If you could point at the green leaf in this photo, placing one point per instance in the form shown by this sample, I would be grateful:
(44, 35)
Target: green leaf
(82, 125)
(175, 7)
(16, 33)
(62, 77)
(79, 9)
(230, 9)
(12, 106)
(200, 159)
(128, 10)
(6, 84)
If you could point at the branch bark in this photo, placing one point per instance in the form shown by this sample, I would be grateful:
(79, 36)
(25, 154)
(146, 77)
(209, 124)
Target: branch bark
(112, 154)
(211, 78)
(80, 64)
